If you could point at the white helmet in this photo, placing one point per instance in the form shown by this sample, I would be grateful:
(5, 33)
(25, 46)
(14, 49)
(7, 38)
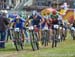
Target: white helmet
(34, 13)
(4, 11)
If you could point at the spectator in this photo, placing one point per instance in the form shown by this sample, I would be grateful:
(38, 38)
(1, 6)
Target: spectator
(65, 6)
(3, 27)
(4, 6)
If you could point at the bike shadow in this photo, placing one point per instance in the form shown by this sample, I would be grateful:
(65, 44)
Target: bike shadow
(14, 50)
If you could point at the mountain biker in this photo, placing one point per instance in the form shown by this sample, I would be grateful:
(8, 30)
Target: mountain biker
(44, 23)
(45, 31)
(36, 19)
(55, 24)
(35, 22)
(18, 22)
(54, 17)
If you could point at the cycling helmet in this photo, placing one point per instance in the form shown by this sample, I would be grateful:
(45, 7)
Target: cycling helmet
(34, 13)
(54, 12)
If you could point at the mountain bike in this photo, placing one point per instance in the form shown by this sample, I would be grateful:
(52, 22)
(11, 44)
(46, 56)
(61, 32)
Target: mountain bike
(45, 36)
(55, 35)
(33, 38)
(17, 39)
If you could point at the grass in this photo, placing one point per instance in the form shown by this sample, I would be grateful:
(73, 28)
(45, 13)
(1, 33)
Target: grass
(64, 49)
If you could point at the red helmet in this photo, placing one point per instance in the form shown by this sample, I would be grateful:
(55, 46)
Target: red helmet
(54, 12)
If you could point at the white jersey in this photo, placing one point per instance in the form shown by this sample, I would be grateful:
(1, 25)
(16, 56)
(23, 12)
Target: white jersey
(60, 17)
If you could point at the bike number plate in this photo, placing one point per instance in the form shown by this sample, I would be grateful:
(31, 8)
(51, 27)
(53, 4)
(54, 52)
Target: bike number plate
(16, 29)
(45, 28)
(60, 27)
(73, 28)
(56, 26)
(31, 28)
(63, 28)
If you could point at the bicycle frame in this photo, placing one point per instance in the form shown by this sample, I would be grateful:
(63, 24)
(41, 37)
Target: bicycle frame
(34, 40)
(55, 37)
(17, 39)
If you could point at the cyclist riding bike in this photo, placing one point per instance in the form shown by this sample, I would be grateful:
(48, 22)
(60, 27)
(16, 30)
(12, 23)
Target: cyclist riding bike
(34, 23)
(18, 22)
(54, 17)
(45, 22)
(36, 19)
(45, 31)
(55, 25)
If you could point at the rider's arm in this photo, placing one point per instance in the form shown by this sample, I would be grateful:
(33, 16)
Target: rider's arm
(27, 20)
(22, 20)
(12, 23)
(43, 20)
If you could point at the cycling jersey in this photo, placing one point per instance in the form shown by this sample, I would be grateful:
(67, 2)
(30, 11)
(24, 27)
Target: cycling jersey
(54, 18)
(44, 23)
(12, 16)
(36, 21)
(19, 23)
(38, 17)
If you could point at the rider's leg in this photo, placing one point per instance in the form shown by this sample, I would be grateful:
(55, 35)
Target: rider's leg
(23, 36)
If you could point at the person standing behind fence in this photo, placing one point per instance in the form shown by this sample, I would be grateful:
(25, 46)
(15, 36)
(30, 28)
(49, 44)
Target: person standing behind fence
(3, 27)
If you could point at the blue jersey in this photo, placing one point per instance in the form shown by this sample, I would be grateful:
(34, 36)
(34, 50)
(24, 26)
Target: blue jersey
(12, 16)
(38, 17)
(19, 24)
(35, 21)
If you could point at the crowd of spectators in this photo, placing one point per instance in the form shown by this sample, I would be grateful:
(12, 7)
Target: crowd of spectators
(4, 5)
